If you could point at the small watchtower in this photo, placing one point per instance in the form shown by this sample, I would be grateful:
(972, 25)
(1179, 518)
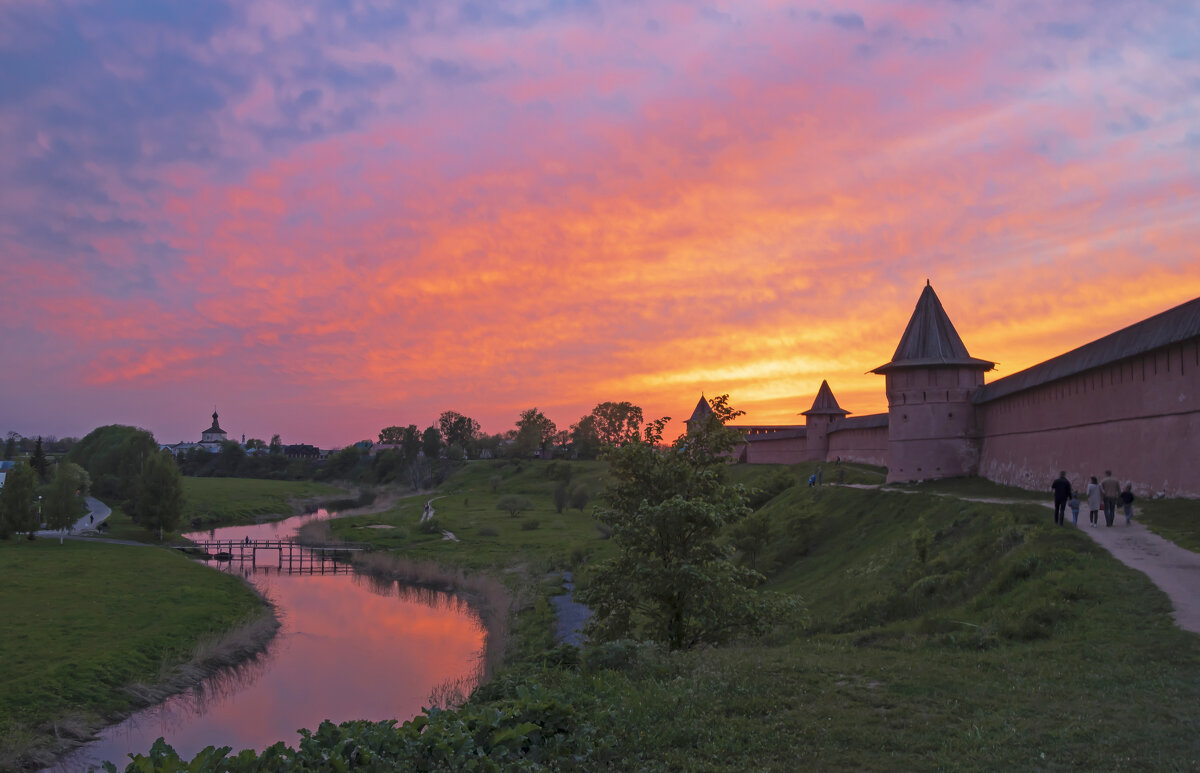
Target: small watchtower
(817, 419)
(930, 382)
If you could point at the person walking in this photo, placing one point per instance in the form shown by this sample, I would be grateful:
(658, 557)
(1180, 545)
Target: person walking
(1127, 498)
(1110, 488)
(1062, 492)
(1094, 500)
(1073, 503)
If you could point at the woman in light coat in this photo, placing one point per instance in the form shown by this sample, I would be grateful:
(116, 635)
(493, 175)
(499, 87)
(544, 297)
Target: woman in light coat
(1094, 499)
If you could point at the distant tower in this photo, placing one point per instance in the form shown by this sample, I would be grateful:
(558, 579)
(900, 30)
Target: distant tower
(817, 419)
(930, 382)
(213, 434)
(702, 412)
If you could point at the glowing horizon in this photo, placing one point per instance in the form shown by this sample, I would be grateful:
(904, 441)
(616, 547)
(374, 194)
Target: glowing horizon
(326, 220)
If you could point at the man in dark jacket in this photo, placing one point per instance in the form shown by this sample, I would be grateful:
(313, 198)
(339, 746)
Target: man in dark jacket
(1062, 492)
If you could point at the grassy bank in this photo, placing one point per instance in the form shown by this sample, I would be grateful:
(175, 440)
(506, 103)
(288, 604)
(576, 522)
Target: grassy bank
(211, 502)
(83, 621)
(490, 538)
(1175, 519)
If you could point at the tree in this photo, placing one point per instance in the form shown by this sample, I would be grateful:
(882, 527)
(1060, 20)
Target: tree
(617, 423)
(113, 455)
(431, 443)
(584, 438)
(535, 431)
(391, 435)
(673, 579)
(341, 464)
(514, 504)
(10, 445)
(159, 502)
(458, 430)
(17, 513)
(276, 446)
(561, 497)
(38, 461)
(410, 443)
(229, 458)
(579, 498)
(63, 506)
(751, 536)
(256, 444)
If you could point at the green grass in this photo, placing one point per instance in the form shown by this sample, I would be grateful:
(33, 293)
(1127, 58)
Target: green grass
(1013, 646)
(976, 488)
(488, 537)
(210, 502)
(82, 620)
(1175, 519)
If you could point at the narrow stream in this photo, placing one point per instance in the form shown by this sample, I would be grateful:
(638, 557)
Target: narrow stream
(350, 647)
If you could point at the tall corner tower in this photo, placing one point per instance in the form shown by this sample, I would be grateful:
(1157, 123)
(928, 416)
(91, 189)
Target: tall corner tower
(699, 415)
(930, 381)
(817, 419)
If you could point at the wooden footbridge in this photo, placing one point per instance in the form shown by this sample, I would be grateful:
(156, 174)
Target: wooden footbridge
(286, 554)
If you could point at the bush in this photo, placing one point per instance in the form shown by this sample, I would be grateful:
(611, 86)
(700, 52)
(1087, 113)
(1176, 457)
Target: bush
(430, 526)
(529, 524)
(488, 531)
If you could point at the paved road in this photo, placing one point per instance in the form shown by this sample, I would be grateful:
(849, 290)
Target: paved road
(97, 513)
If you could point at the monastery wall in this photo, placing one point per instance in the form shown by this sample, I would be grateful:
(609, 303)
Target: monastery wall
(788, 450)
(1139, 417)
(866, 443)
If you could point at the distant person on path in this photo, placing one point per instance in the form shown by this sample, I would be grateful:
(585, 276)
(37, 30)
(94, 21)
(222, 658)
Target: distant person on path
(1073, 503)
(1094, 500)
(1110, 487)
(1062, 492)
(1127, 498)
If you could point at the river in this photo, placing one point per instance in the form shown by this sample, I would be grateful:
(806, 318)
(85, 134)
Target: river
(350, 647)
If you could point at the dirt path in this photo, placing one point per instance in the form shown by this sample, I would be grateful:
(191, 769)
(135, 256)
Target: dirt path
(1175, 570)
(428, 513)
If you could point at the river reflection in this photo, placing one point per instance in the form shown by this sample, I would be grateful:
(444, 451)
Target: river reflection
(351, 647)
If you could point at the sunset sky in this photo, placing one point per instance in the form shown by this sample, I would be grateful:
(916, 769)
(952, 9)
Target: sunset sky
(328, 217)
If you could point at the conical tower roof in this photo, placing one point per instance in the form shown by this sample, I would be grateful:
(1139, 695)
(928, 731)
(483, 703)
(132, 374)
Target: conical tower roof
(930, 339)
(825, 404)
(703, 410)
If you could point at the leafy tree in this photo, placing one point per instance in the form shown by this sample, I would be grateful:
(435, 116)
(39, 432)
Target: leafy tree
(276, 446)
(10, 445)
(39, 462)
(579, 498)
(159, 502)
(229, 458)
(17, 513)
(674, 579)
(410, 442)
(63, 506)
(561, 497)
(617, 423)
(750, 537)
(341, 464)
(113, 455)
(391, 435)
(584, 438)
(431, 443)
(514, 504)
(256, 444)
(458, 430)
(535, 431)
